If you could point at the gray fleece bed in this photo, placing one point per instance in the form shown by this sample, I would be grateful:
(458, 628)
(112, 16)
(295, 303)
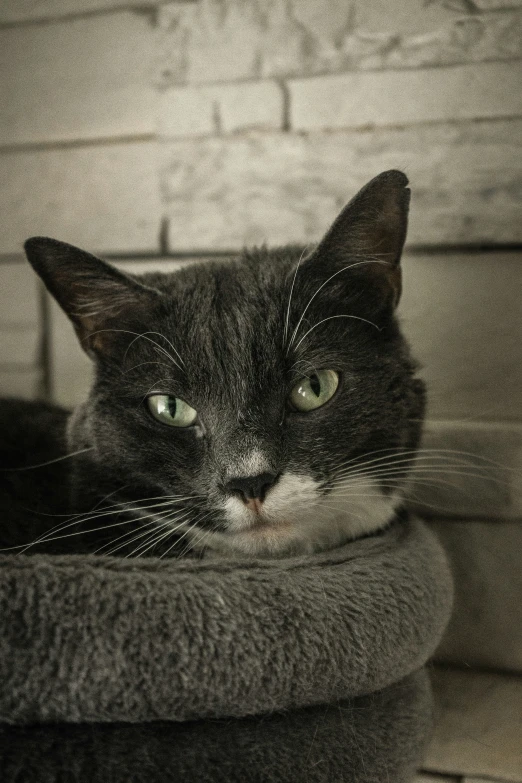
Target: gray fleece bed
(304, 669)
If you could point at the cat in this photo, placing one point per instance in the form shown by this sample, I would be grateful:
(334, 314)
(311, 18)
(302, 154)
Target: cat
(263, 406)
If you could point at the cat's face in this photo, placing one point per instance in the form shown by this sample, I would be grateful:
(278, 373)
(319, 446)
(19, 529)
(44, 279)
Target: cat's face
(254, 399)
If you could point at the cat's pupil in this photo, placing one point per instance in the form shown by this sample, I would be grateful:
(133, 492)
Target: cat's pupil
(315, 385)
(172, 405)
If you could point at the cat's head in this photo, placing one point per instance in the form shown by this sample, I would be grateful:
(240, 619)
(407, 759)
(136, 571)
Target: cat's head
(261, 399)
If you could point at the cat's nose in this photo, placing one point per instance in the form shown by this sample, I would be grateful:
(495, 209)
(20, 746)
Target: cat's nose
(251, 487)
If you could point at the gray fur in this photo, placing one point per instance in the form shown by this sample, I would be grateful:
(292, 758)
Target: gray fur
(232, 339)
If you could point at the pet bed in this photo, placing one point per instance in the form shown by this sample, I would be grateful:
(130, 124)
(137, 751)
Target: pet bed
(213, 670)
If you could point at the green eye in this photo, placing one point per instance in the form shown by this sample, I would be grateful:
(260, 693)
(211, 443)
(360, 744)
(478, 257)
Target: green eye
(310, 393)
(171, 410)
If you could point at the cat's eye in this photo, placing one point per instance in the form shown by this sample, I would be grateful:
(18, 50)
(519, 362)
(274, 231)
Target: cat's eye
(171, 410)
(312, 392)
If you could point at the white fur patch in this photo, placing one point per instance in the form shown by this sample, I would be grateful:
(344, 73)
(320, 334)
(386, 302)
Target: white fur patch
(298, 519)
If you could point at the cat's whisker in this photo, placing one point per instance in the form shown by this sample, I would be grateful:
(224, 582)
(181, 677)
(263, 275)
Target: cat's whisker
(141, 364)
(193, 543)
(420, 452)
(49, 462)
(152, 538)
(166, 353)
(170, 520)
(177, 540)
(170, 530)
(137, 335)
(415, 466)
(406, 491)
(159, 334)
(163, 530)
(129, 536)
(339, 271)
(155, 520)
(149, 391)
(330, 318)
(407, 463)
(48, 538)
(425, 471)
(118, 508)
(204, 534)
(287, 319)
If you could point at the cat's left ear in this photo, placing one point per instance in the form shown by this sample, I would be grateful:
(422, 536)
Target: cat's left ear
(369, 234)
(95, 296)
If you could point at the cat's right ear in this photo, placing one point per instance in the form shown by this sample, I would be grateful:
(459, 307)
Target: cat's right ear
(368, 236)
(93, 294)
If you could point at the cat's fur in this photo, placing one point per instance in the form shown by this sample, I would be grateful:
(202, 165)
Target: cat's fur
(232, 339)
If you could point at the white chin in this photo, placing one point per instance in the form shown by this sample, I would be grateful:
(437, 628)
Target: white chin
(299, 520)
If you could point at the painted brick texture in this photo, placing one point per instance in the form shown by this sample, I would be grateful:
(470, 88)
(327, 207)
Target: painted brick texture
(362, 100)
(226, 192)
(243, 96)
(253, 39)
(221, 108)
(103, 197)
(76, 79)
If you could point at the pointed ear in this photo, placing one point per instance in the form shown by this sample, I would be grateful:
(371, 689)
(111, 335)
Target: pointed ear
(370, 233)
(92, 293)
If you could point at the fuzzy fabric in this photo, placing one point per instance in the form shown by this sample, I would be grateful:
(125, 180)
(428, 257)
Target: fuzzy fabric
(107, 642)
(377, 738)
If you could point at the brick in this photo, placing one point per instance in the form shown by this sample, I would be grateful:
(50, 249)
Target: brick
(78, 79)
(104, 198)
(485, 629)
(359, 100)
(469, 38)
(225, 192)
(220, 108)
(496, 5)
(477, 728)
(472, 364)
(29, 10)
(467, 779)
(400, 17)
(250, 39)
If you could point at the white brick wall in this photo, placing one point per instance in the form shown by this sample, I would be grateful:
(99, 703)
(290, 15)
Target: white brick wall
(265, 83)
(104, 197)
(252, 39)
(223, 192)
(76, 79)
(12, 11)
(220, 108)
(359, 100)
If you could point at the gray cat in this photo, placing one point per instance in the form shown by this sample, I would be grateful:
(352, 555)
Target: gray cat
(266, 405)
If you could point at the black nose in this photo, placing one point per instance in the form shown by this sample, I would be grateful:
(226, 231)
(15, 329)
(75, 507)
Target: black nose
(250, 487)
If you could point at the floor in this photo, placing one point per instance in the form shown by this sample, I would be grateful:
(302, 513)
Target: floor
(478, 730)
